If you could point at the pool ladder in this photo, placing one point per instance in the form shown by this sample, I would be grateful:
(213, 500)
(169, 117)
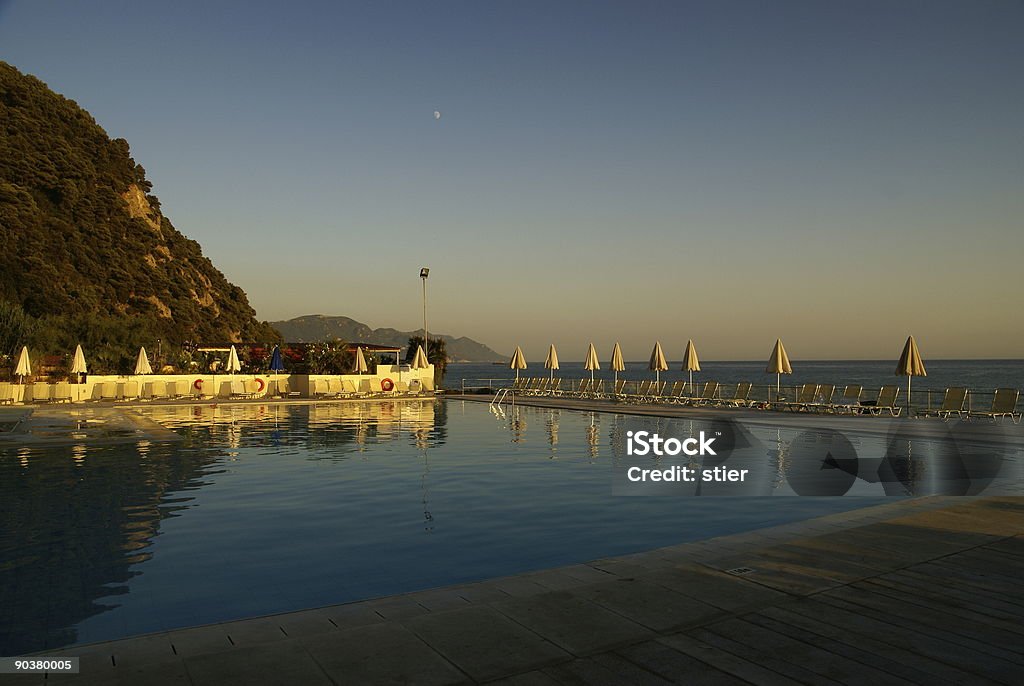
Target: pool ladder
(503, 395)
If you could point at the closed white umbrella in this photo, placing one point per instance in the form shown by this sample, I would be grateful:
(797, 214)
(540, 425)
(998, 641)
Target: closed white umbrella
(359, 367)
(910, 364)
(551, 361)
(142, 363)
(658, 363)
(79, 368)
(78, 365)
(690, 362)
(778, 363)
(419, 360)
(517, 362)
(234, 365)
(617, 364)
(591, 362)
(24, 367)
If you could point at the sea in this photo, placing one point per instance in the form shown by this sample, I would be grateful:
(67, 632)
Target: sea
(977, 375)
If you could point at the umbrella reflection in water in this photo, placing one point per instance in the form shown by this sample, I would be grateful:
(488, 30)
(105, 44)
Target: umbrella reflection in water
(552, 424)
(593, 432)
(518, 426)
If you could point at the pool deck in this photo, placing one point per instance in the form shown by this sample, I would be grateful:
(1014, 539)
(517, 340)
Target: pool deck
(923, 591)
(916, 591)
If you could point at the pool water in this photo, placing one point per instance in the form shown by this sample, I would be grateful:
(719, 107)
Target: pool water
(267, 508)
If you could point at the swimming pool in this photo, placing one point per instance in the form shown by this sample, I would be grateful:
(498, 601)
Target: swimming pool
(266, 508)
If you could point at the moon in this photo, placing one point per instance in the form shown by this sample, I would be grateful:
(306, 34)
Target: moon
(437, 114)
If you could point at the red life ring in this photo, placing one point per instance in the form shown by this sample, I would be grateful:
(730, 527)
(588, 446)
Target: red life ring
(387, 384)
(198, 384)
(260, 385)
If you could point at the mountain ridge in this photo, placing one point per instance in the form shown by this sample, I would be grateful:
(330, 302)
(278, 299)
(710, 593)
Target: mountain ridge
(311, 328)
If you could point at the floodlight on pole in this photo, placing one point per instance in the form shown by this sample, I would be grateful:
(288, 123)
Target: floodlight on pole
(424, 273)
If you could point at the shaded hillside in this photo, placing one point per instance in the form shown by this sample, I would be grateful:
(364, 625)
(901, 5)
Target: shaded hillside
(318, 327)
(85, 244)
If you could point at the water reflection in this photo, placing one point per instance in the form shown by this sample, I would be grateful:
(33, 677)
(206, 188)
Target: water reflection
(552, 427)
(593, 436)
(77, 522)
(517, 424)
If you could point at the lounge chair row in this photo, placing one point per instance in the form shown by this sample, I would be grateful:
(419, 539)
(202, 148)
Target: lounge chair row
(40, 392)
(642, 391)
(116, 391)
(819, 398)
(368, 388)
(816, 398)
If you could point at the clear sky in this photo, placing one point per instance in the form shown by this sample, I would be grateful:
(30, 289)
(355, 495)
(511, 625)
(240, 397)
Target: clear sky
(840, 174)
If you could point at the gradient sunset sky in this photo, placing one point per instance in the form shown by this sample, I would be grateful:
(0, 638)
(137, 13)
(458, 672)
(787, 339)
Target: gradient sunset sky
(840, 174)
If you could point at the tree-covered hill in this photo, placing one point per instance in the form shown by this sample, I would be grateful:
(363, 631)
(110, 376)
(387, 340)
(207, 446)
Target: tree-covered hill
(84, 247)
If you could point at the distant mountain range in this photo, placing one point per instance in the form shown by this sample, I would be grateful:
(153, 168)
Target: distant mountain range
(319, 327)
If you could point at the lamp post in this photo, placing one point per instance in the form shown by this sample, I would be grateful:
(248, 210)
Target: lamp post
(424, 273)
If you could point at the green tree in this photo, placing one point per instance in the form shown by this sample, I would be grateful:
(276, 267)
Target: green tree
(16, 327)
(437, 355)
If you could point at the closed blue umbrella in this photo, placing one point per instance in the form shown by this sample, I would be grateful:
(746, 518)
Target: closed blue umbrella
(276, 364)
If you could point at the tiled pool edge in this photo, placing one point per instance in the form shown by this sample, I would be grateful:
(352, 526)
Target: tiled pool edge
(408, 619)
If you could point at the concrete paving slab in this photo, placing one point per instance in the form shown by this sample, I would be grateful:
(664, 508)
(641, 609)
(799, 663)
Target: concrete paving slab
(440, 599)
(252, 632)
(272, 664)
(485, 644)
(968, 591)
(879, 666)
(949, 597)
(772, 648)
(970, 632)
(516, 587)
(653, 606)
(725, 661)
(936, 646)
(769, 659)
(387, 653)
(352, 615)
(200, 640)
(555, 580)
(572, 622)
(839, 634)
(396, 607)
(478, 593)
(677, 667)
(303, 624)
(534, 678)
(724, 591)
(607, 669)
